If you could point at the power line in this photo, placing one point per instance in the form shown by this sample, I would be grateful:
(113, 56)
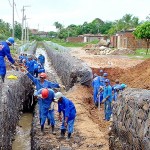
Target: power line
(10, 3)
(16, 11)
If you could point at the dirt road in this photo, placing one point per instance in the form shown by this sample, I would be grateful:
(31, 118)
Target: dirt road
(104, 61)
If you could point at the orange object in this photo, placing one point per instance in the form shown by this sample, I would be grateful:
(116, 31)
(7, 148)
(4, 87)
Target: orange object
(43, 75)
(45, 93)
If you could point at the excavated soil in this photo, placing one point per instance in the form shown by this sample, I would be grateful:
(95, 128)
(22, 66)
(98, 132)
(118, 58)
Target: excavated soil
(133, 72)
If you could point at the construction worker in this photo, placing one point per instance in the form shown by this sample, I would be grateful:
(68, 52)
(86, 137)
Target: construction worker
(105, 75)
(101, 78)
(68, 109)
(47, 97)
(115, 89)
(95, 85)
(30, 65)
(107, 99)
(41, 59)
(40, 83)
(5, 51)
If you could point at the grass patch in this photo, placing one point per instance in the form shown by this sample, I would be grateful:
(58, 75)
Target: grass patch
(69, 44)
(140, 53)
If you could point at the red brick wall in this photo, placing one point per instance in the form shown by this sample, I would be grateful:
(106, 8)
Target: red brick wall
(75, 39)
(132, 42)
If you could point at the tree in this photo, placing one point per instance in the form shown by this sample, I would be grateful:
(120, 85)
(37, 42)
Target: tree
(126, 22)
(143, 32)
(58, 25)
(18, 30)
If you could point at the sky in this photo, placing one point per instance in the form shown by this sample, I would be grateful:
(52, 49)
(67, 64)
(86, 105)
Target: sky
(42, 14)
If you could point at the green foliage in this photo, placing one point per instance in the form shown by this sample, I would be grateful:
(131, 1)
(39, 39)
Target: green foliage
(5, 30)
(18, 30)
(126, 22)
(69, 44)
(140, 53)
(143, 32)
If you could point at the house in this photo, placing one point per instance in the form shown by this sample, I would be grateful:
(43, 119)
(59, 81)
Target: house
(92, 37)
(87, 38)
(35, 32)
(127, 40)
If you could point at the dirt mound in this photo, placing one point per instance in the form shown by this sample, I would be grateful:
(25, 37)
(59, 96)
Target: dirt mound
(138, 76)
(122, 52)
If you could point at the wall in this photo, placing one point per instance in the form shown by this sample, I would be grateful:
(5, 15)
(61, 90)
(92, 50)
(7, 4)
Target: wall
(127, 40)
(131, 121)
(70, 69)
(75, 39)
(15, 98)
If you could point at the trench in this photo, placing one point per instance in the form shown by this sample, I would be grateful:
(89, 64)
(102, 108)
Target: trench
(22, 139)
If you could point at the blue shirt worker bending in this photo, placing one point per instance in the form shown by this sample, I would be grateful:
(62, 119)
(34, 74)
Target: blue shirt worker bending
(47, 96)
(41, 60)
(40, 83)
(67, 108)
(107, 99)
(5, 51)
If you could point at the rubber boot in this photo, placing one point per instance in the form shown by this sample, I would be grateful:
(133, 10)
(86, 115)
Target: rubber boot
(53, 130)
(62, 134)
(2, 79)
(48, 121)
(68, 137)
(42, 130)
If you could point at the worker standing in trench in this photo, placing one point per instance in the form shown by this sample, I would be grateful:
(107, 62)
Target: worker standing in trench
(41, 60)
(68, 109)
(40, 83)
(47, 97)
(107, 99)
(5, 51)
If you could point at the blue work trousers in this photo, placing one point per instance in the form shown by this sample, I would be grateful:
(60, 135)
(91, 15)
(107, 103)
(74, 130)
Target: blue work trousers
(51, 117)
(70, 126)
(108, 110)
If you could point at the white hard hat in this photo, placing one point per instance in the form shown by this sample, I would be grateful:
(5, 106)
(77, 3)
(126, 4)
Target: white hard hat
(58, 95)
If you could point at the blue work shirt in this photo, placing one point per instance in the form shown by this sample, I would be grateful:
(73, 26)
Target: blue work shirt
(45, 84)
(5, 51)
(41, 59)
(30, 65)
(67, 107)
(108, 92)
(96, 82)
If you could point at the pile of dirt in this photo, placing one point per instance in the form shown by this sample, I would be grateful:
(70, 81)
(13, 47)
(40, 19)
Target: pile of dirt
(138, 76)
(122, 52)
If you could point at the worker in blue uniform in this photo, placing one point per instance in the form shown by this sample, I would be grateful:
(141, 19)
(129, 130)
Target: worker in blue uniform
(47, 97)
(67, 108)
(107, 99)
(95, 85)
(42, 83)
(5, 51)
(105, 76)
(41, 59)
(30, 65)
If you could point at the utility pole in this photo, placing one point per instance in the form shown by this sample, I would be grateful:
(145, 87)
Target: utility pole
(27, 33)
(13, 30)
(23, 18)
(22, 25)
